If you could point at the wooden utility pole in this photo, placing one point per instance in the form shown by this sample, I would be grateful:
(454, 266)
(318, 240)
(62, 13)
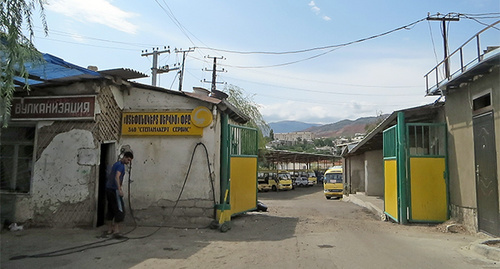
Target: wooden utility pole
(444, 19)
(214, 72)
(181, 74)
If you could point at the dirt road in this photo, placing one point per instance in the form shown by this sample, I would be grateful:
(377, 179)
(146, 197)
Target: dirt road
(300, 230)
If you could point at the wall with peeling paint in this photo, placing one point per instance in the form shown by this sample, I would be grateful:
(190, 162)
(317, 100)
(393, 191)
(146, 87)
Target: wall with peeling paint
(65, 168)
(163, 166)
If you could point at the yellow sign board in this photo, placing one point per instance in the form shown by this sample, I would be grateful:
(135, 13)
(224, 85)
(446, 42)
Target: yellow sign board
(166, 123)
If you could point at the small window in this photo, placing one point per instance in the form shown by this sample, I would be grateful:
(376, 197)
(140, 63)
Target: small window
(16, 158)
(481, 103)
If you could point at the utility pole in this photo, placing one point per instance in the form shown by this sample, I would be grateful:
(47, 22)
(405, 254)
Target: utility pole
(181, 72)
(444, 19)
(214, 72)
(154, 69)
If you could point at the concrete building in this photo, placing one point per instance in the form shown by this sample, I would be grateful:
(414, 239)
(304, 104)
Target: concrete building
(472, 92)
(294, 136)
(75, 123)
(364, 163)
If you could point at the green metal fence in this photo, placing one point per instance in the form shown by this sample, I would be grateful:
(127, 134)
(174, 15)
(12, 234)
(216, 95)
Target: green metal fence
(243, 141)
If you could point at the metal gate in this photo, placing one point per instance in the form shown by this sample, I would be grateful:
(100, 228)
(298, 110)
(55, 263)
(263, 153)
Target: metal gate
(415, 172)
(391, 194)
(243, 150)
(486, 174)
(427, 173)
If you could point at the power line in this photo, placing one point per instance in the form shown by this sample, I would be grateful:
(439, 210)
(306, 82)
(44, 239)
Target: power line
(323, 47)
(328, 82)
(72, 35)
(325, 92)
(329, 102)
(84, 44)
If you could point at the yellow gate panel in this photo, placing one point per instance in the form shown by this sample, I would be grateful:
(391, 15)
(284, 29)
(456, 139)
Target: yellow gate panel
(428, 189)
(243, 175)
(391, 188)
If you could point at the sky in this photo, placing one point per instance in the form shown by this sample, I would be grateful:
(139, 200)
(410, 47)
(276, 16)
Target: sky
(284, 55)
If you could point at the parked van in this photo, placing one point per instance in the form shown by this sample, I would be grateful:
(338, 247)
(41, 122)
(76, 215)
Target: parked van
(263, 181)
(333, 183)
(274, 180)
(304, 178)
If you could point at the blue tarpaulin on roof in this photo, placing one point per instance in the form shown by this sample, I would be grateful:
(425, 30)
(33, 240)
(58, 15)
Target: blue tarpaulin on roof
(54, 69)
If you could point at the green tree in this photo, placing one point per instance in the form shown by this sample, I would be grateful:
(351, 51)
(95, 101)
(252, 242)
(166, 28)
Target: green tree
(245, 104)
(15, 48)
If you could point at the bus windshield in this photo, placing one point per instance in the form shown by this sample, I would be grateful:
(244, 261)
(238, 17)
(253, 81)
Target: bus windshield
(333, 178)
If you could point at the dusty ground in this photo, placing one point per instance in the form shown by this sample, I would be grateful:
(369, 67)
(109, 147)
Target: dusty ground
(300, 230)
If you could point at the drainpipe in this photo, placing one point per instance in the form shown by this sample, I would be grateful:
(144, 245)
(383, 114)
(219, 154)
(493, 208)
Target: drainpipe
(401, 166)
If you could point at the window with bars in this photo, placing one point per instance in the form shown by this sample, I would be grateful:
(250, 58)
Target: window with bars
(16, 158)
(426, 139)
(243, 141)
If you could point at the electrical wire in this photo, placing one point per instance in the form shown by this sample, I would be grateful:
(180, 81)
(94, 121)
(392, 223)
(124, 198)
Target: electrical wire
(80, 248)
(478, 21)
(72, 35)
(405, 27)
(172, 17)
(433, 44)
(331, 92)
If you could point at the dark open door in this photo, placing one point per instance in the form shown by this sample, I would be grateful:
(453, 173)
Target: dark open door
(107, 159)
(486, 174)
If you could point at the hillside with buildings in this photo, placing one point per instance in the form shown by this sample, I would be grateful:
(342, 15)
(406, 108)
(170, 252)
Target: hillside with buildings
(343, 128)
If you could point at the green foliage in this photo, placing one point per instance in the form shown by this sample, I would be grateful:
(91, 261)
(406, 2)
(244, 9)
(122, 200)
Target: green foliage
(15, 48)
(302, 145)
(246, 105)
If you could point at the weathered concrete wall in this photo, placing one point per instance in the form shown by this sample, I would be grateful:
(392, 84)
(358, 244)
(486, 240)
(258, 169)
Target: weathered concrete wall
(161, 165)
(356, 172)
(63, 183)
(461, 142)
(466, 216)
(374, 173)
(66, 161)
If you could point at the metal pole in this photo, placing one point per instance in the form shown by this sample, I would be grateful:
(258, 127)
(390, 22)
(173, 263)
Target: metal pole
(401, 166)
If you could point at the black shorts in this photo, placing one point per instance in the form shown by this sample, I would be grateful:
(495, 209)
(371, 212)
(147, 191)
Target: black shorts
(113, 210)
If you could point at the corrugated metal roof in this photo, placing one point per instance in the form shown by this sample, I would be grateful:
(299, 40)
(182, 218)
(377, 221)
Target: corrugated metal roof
(374, 140)
(124, 73)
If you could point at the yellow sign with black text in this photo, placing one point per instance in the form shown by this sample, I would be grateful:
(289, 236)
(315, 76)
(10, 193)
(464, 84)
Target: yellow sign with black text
(166, 123)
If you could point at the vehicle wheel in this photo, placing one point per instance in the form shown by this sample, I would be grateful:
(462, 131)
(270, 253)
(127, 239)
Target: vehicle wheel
(328, 198)
(274, 188)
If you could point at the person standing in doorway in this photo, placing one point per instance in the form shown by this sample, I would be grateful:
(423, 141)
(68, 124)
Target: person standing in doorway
(114, 194)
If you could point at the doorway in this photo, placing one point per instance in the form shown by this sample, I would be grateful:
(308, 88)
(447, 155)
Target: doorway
(106, 161)
(486, 173)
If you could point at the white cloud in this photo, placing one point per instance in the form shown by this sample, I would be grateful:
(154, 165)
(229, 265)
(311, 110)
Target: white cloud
(314, 8)
(95, 11)
(317, 10)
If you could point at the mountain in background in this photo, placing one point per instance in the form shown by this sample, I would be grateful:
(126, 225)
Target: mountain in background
(290, 126)
(346, 128)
